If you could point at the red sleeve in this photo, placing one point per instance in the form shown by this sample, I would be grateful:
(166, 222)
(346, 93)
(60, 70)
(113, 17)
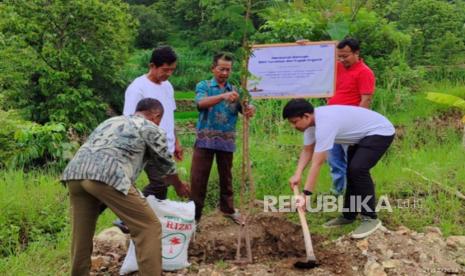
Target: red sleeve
(366, 82)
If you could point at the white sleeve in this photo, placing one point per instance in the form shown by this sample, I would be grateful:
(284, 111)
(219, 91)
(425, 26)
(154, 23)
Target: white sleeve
(325, 137)
(309, 136)
(132, 96)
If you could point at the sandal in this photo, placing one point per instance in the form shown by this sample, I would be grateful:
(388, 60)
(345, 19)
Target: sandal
(236, 217)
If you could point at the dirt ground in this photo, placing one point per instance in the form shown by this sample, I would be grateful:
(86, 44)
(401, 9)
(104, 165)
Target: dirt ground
(277, 243)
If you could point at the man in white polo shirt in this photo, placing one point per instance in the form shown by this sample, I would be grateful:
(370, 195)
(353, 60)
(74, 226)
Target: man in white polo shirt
(368, 134)
(155, 85)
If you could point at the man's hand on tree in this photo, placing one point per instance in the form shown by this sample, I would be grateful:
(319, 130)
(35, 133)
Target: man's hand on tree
(231, 96)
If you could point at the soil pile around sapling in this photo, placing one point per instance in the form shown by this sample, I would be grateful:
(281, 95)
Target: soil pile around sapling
(277, 243)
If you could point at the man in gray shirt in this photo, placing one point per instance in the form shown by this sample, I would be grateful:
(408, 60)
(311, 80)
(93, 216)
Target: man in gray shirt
(104, 170)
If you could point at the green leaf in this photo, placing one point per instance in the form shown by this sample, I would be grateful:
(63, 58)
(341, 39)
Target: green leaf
(446, 99)
(338, 30)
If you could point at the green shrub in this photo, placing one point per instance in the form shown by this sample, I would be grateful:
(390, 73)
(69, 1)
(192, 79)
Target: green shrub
(26, 144)
(42, 145)
(436, 28)
(285, 23)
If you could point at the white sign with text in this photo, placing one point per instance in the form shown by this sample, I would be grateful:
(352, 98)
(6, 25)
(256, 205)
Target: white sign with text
(292, 71)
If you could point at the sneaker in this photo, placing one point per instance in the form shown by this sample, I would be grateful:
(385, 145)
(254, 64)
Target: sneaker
(368, 226)
(336, 222)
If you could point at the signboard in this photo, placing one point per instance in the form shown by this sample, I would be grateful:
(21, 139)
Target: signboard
(292, 71)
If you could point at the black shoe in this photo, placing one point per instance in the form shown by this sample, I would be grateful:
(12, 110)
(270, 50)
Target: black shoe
(120, 224)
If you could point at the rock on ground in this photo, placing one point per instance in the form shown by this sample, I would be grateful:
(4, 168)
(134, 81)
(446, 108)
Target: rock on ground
(277, 243)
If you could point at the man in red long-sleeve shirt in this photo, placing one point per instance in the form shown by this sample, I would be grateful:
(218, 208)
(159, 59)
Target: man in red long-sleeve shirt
(355, 85)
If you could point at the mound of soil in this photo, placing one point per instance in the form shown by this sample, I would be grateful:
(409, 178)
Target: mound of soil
(277, 243)
(274, 241)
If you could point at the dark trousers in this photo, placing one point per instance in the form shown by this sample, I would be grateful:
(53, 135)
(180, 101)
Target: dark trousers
(156, 187)
(361, 158)
(202, 160)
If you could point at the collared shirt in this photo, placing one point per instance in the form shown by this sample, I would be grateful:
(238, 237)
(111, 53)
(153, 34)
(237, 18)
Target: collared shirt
(352, 83)
(216, 127)
(118, 149)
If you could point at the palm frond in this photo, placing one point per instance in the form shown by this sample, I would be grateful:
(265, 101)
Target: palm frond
(446, 99)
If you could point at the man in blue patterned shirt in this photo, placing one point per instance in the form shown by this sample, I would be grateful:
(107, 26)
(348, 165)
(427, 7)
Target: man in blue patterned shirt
(104, 170)
(219, 105)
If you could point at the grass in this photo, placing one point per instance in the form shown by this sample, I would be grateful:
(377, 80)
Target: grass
(40, 258)
(35, 232)
(184, 95)
(186, 115)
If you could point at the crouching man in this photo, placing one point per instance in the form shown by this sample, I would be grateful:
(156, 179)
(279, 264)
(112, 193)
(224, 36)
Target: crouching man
(103, 171)
(368, 134)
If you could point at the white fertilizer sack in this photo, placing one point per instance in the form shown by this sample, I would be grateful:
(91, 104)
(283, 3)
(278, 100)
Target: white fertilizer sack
(178, 225)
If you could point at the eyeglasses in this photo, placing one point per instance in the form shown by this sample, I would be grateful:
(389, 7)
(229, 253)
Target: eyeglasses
(345, 56)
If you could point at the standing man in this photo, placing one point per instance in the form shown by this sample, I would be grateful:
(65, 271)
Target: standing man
(103, 172)
(355, 85)
(155, 85)
(219, 104)
(368, 135)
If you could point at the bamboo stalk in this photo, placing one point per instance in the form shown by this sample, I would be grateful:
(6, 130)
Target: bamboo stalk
(246, 168)
(445, 188)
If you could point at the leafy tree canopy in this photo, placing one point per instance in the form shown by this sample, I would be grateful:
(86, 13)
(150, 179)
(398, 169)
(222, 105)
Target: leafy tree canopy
(60, 59)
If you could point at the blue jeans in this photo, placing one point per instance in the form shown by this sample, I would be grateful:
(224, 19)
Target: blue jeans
(337, 160)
